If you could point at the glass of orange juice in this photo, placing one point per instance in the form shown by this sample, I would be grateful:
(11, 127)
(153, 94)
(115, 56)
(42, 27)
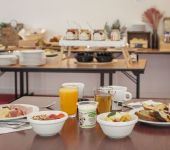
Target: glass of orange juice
(68, 99)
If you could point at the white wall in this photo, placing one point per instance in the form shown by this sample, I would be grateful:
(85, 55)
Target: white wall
(54, 15)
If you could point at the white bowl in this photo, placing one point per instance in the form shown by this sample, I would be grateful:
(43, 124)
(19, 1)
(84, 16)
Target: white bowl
(32, 57)
(116, 130)
(47, 127)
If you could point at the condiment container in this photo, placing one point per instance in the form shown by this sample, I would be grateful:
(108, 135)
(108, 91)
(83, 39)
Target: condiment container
(87, 113)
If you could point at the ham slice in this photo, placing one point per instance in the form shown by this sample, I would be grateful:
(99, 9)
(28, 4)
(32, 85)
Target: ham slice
(19, 110)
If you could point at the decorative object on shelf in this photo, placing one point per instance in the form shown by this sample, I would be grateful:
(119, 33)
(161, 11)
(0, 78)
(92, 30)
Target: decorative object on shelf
(84, 35)
(139, 39)
(9, 33)
(166, 24)
(166, 29)
(167, 37)
(99, 35)
(32, 34)
(84, 57)
(104, 57)
(137, 27)
(72, 34)
(152, 16)
(115, 31)
(115, 35)
(155, 40)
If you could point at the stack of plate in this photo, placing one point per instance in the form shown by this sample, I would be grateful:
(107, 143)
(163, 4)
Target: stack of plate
(138, 28)
(6, 60)
(32, 57)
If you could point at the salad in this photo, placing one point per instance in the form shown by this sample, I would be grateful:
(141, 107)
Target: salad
(118, 117)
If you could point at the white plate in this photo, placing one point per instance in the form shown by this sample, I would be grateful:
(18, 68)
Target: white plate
(160, 124)
(153, 123)
(34, 109)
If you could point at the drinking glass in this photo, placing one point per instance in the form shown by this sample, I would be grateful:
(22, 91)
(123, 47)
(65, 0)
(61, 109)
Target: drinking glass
(68, 99)
(104, 100)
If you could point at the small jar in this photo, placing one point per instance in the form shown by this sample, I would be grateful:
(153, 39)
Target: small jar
(72, 34)
(99, 35)
(84, 35)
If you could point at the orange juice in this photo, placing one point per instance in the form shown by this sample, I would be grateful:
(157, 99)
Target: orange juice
(68, 99)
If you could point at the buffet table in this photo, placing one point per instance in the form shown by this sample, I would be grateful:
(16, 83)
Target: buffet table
(72, 137)
(71, 66)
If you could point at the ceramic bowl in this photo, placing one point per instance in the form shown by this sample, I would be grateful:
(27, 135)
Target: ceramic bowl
(116, 130)
(84, 57)
(47, 127)
(104, 57)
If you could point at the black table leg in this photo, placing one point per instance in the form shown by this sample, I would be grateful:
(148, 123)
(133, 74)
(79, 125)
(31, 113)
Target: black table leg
(101, 79)
(16, 84)
(137, 85)
(110, 78)
(21, 83)
(27, 84)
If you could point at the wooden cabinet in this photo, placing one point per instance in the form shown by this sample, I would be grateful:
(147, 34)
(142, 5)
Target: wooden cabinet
(139, 39)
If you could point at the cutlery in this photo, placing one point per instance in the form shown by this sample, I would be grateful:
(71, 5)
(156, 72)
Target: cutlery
(16, 121)
(13, 125)
(48, 106)
(132, 107)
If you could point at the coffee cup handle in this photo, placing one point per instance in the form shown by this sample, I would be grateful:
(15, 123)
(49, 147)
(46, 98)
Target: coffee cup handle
(128, 96)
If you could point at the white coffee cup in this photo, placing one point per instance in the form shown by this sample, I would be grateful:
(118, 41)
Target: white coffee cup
(120, 93)
(79, 85)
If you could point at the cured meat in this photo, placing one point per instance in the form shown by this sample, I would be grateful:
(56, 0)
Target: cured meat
(16, 110)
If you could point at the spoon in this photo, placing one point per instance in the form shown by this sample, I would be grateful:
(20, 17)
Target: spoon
(48, 105)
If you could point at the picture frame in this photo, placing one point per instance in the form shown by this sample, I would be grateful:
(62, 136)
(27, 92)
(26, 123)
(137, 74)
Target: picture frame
(166, 24)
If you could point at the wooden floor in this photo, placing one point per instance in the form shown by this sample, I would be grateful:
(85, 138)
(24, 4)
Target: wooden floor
(6, 98)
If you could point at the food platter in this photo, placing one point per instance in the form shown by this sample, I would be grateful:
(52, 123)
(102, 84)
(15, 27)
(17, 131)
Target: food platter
(152, 113)
(153, 123)
(29, 108)
(51, 53)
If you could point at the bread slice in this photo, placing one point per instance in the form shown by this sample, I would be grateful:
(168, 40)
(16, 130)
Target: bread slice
(162, 116)
(146, 115)
(155, 107)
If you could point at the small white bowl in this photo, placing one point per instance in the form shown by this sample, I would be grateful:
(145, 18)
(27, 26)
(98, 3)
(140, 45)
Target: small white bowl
(116, 130)
(47, 127)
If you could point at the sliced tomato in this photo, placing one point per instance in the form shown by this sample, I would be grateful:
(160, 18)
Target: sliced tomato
(60, 116)
(54, 116)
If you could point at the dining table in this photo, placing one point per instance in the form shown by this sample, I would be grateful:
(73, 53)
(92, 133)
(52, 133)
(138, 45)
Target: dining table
(72, 137)
(133, 72)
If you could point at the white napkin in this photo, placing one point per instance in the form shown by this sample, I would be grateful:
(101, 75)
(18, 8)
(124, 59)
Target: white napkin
(4, 130)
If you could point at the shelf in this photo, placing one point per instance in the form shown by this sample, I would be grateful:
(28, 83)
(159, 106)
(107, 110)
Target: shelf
(107, 43)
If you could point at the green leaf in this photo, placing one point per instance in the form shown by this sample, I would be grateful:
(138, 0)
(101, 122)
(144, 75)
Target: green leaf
(112, 113)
